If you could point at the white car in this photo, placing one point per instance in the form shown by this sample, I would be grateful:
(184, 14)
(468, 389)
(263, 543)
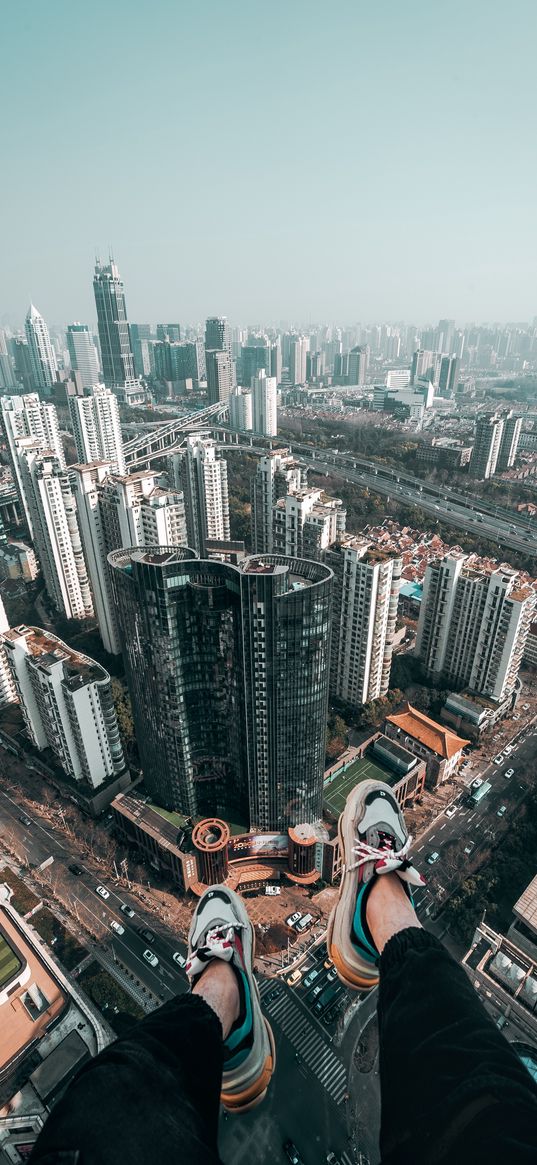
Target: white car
(127, 910)
(451, 811)
(498, 759)
(179, 959)
(293, 918)
(102, 891)
(119, 929)
(151, 958)
(509, 773)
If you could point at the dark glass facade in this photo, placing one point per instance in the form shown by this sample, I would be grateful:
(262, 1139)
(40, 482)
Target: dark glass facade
(228, 669)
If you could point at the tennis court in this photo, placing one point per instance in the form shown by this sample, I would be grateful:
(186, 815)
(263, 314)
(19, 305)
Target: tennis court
(10, 963)
(363, 769)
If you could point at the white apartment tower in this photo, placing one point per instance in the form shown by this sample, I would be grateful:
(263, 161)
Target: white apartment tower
(54, 524)
(28, 416)
(204, 476)
(366, 594)
(299, 347)
(83, 354)
(8, 692)
(487, 443)
(96, 426)
(116, 512)
(265, 409)
(240, 410)
(277, 474)
(66, 700)
(512, 426)
(473, 626)
(306, 523)
(42, 357)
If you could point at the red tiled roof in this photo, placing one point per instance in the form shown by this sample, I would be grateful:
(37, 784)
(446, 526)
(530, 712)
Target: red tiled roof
(432, 735)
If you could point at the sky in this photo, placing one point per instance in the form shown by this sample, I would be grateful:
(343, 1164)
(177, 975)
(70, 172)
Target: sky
(276, 161)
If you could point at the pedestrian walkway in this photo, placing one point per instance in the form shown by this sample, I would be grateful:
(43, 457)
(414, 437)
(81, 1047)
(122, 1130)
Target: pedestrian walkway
(307, 1042)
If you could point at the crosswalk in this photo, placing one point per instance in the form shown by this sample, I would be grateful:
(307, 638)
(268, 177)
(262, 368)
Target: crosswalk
(307, 1041)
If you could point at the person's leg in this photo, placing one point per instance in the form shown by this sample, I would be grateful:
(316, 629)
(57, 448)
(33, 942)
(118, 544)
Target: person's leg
(154, 1095)
(452, 1088)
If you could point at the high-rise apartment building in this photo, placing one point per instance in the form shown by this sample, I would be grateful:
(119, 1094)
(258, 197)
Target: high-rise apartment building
(52, 508)
(473, 626)
(512, 426)
(66, 701)
(299, 347)
(96, 426)
(422, 364)
(306, 523)
(220, 378)
(42, 359)
(8, 692)
(8, 380)
(276, 360)
(83, 354)
(241, 410)
(114, 339)
(27, 416)
(115, 511)
(217, 334)
(277, 474)
(265, 404)
(204, 478)
(366, 593)
(448, 376)
(228, 669)
(358, 364)
(487, 441)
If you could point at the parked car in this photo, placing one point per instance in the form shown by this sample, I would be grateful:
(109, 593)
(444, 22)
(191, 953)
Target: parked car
(25, 820)
(502, 811)
(433, 858)
(294, 978)
(151, 958)
(76, 870)
(311, 977)
(119, 929)
(290, 921)
(317, 990)
(104, 893)
(328, 962)
(509, 773)
(331, 975)
(451, 811)
(468, 848)
(179, 959)
(127, 910)
(146, 934)
(498, 759)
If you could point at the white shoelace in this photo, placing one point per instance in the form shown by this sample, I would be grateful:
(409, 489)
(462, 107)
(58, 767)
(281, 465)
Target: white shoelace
(369, 853)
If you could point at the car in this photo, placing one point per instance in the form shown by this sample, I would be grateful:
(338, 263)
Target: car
(150, 958)
(291, 1152)
(525, 707)
(179, 959)
(328, 962)
(146, 934)
(274, 994)
(451, 811)
(502, 811)
(311, 977)
(498, 759)
(127, 910)
(273, 890)
(433, 858)
(509, 773)
(25, 820)
(317, 990)
(290, 921)
(294, 978)
(119, 929)
(476, 784)
(468, 848)
(76, 870)
(102, 891)
(331, 975)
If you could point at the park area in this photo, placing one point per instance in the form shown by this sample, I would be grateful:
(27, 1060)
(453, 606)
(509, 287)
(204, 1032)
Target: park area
(337, 790)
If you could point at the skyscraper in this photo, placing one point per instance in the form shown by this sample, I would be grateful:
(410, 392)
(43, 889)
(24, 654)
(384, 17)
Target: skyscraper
(204, 477)
(366, 592)
(41, 352)
(240, 410)
(358, 362)
(28, 416)
(306, 522)
(66, 701)
(227, 670)
(277, 474)
(448, 377)
(83, 354)
(252, 358)
(141, 345)
(115, 511)
(178, 363)
(512, 426)
(265, 409)
(220, 379)
(487, 440)
(96, 426)
(298, 348)
(473, 626)
(54, 525)
(114, 339)
(217, 334)
(8, 692)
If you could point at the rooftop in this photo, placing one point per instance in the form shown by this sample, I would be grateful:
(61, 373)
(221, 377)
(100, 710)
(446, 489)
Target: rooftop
(436, 737)
(31, 999)
(525, 907)
(46, 650)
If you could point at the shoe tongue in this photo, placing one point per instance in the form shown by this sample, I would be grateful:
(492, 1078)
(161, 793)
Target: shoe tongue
(381, 836)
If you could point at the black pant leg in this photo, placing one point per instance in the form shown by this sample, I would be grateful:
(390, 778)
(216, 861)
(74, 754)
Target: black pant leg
(153, 1095)
(452, 1089)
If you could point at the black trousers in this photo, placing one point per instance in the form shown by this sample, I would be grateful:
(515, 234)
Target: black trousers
(452, 1089)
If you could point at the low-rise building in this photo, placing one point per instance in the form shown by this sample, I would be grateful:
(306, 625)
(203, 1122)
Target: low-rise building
(530, 648)
(473, 715)
(444, 453)
(439, 747)
(505, 976)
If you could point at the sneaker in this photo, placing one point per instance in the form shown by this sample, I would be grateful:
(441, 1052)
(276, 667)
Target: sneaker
(373, 840)
(221, 929)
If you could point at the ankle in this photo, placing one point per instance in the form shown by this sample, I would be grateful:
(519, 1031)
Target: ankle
(219, 988)
(388, 909)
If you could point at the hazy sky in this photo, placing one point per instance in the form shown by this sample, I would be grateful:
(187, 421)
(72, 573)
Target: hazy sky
(272, 160)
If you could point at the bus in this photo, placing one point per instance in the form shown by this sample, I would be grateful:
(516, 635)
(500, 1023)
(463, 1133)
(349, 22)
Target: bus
(478, 794)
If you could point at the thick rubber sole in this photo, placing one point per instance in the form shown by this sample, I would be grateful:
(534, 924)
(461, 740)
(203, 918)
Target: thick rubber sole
(347, 974)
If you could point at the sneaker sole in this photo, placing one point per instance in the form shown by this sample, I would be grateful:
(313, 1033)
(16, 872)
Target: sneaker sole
(250, 1097)
(347, 974)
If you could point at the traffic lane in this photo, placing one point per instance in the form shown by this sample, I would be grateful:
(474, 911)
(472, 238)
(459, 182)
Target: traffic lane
(166, 947)
(15, 811)
(158, 979)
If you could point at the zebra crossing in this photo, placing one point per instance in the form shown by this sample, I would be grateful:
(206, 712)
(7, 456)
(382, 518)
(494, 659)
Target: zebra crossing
(306, 1041)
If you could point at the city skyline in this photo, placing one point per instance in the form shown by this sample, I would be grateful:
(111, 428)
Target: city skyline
(412, 207)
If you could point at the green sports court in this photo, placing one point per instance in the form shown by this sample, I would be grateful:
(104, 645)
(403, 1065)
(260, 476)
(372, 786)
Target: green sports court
(10, 963)
(361, 769)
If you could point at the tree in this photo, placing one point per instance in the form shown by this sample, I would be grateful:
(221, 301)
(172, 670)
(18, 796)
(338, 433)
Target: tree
(125, 720)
